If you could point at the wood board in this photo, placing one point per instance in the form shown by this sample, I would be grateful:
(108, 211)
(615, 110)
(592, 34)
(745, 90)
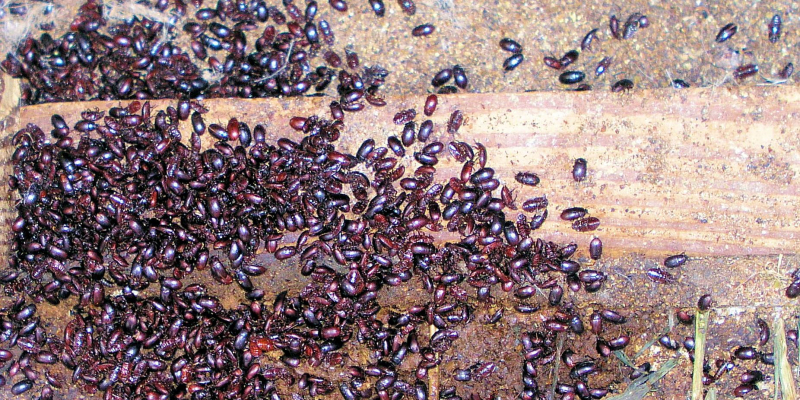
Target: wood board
(706, 171)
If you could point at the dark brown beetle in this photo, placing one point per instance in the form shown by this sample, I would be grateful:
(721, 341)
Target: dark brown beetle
(423, 30)
(595, 249)
(586, 43)
(586, 224)
(705, 302)
(613, 25)
(745, 71)
(510, 45)
(571, 77)
(579, 169)
(455, 121)
(430, 105)
(602, 66)
(726, 32)
(675, 261)
(513, 62)
(573, 213)
(774, 27)
(622, 85)
(659, 275)
(527, 178)
(553, 63)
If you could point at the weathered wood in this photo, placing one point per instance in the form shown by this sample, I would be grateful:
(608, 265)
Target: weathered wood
(706, 171)
(9, 97)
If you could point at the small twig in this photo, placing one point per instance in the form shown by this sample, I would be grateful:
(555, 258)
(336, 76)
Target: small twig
(777, 376)
(282, 67)
(624, 359)
(643, 72)
(771, 82)
(627, 278)
(669, 77)
(765, 271)
(556, 365)
(539, 291)
(700, 326)
(655, 338)
(783, 371)
(433, 374)
(641, 386)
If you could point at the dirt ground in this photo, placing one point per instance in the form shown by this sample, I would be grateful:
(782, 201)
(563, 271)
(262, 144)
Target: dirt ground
(679, 43)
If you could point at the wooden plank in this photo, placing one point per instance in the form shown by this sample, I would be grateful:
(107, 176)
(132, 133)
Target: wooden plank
(707, 171)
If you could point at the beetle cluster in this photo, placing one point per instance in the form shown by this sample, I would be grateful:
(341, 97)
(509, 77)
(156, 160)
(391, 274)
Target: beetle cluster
(128, 205)
(132, 60)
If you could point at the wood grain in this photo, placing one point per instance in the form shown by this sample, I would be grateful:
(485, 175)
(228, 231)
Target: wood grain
(10, 92)
(707, 171)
